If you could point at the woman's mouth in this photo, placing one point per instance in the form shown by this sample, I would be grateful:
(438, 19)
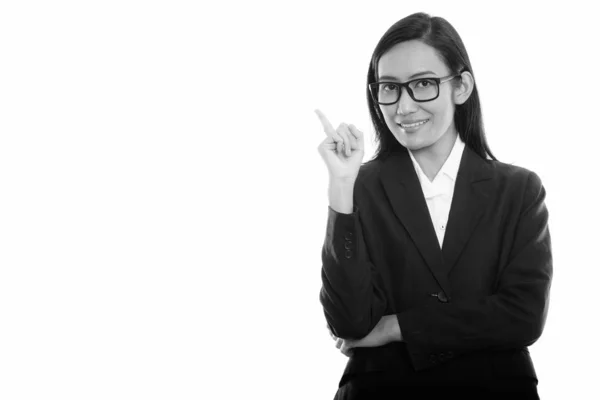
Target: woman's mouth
(413, 125)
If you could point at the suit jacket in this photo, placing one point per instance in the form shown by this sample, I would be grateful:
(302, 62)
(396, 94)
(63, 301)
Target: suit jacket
(467, 311)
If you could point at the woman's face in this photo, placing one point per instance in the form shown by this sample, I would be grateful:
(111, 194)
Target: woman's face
(407, 61)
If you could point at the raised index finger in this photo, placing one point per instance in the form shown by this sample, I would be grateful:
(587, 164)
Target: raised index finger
(329, 129)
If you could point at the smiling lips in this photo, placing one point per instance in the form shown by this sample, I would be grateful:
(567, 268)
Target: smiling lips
(413, 124)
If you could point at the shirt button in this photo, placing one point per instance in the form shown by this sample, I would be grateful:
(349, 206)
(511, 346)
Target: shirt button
(443, 226)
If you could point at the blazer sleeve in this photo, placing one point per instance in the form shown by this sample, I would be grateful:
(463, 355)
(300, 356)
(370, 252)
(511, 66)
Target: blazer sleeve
(352, 293)
(513, 317)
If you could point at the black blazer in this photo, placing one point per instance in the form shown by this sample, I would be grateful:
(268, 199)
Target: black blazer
(468, 311)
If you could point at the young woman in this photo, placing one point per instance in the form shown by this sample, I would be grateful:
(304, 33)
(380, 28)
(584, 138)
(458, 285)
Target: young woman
(437, 260)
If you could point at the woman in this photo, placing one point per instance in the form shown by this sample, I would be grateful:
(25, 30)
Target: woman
(437, 259)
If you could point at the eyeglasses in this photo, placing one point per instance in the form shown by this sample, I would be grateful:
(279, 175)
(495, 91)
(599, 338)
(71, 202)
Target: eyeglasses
(420, 90)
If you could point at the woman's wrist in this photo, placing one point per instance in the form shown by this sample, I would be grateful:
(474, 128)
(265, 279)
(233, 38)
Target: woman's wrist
(341, 196)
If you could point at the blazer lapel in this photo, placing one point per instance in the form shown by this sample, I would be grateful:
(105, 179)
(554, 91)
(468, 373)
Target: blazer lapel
(403, 189)
(404, 192)
(468, 204)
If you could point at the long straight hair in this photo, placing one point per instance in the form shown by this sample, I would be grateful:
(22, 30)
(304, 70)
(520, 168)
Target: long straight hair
(439, 34)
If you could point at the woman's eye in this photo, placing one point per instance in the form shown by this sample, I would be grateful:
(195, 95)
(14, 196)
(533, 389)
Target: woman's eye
(424, 83)
(389, 88)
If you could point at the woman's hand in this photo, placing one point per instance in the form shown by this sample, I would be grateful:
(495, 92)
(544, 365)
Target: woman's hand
(387, 330)
(342, 150)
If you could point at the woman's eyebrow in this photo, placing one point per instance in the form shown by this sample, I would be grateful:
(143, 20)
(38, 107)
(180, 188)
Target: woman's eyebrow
(393, 78)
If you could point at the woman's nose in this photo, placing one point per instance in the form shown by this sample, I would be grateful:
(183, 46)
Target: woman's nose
(406, 104)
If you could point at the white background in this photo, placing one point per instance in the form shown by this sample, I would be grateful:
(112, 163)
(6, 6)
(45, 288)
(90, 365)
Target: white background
(163, 203)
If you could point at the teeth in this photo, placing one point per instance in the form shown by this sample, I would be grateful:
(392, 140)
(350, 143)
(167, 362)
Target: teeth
(413, 125)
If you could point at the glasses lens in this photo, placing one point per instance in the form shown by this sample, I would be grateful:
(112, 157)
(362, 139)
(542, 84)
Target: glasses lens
(386, 93)
(424, 89)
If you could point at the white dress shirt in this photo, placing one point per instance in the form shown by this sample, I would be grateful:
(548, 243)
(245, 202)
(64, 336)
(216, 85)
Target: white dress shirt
(438, 193)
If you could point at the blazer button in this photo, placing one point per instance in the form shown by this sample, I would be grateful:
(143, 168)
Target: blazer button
(348, 244)
(348, 253)
(433, 358)
(348, 236)
(450, 354)
(442, 297)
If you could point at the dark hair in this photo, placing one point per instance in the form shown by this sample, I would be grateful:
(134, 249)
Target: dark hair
(439, 34)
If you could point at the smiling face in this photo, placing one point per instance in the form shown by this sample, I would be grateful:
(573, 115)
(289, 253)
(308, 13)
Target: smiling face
(436, 132)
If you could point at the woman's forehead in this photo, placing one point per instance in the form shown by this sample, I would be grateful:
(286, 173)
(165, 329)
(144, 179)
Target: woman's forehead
(409, 59)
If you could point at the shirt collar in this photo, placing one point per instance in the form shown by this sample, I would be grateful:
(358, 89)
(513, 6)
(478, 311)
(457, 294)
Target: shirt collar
(450, 167)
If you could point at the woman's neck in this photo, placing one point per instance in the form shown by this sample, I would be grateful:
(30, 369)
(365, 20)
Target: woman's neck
(432, 158)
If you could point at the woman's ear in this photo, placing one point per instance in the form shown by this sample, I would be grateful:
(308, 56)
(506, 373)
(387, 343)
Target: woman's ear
(463, 90)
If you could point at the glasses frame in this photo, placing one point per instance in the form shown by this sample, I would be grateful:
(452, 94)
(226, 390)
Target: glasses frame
(437, 80)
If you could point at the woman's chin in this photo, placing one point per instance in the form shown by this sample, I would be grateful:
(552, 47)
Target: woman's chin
(410, 142)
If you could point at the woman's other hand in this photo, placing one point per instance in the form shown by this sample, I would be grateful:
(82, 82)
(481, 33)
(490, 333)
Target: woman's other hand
(342, 150)
(387, 330)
